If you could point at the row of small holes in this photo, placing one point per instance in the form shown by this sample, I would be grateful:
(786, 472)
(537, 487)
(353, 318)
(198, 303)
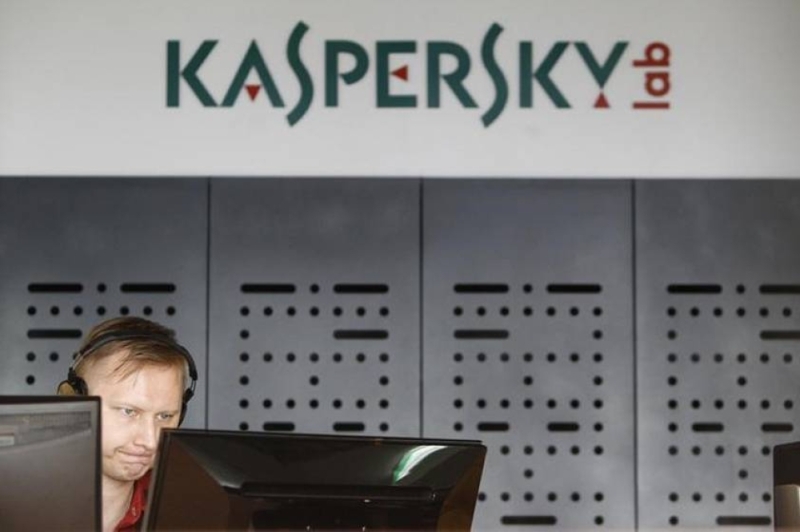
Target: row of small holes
(101, 310)
(741, 358)
(527, 403)
(314, 403)
(551, 449)
(718, 312)
(719, 497)
(742, 450)
(244, 357)
(718, 450)
(314, 357)
(551, 497)
(528, 357)
(527, 311)
(719, 404)
(314, 311)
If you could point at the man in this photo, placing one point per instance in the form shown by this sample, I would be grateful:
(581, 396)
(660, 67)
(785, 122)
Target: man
(144, 379)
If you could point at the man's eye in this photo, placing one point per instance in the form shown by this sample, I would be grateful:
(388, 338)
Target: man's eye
(166, 417)
(128, 412)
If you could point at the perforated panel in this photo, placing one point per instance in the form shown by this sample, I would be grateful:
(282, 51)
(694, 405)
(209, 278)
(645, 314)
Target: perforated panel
(315, 315)
(718, 304)
(528, 345)
(314, 323)
(74, 252)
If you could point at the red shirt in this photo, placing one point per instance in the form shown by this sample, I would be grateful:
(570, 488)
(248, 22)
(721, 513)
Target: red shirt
(133, 517)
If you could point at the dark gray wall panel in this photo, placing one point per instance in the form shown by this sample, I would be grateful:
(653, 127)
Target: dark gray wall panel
(718, 266)
(294, 264)
(97, 234)
(711, 389)
(544, 269)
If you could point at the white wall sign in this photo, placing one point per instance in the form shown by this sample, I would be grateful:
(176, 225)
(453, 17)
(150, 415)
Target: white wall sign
(575, 88)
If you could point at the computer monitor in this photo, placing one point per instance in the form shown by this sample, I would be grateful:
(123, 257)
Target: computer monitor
(218, 480)
(786, 486)
(50, 463)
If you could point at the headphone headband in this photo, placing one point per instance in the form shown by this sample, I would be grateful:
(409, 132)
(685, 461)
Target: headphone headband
(121, 336)
(75, 385)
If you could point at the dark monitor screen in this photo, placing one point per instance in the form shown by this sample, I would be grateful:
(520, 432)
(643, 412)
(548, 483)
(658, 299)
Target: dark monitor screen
(786, 486)
(49, 463)
(217, 480)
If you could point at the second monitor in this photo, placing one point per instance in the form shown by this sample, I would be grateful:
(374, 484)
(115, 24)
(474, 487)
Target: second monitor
(217, 480)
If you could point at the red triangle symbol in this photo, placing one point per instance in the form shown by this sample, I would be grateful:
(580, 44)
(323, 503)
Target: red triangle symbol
(401, 73)
(252, 90)
(601, 102)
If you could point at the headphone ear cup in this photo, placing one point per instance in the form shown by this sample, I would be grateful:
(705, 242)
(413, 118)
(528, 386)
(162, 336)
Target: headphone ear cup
(187, 396)
(183, 414)
(66, 388)
(69, 387)
(74, 385)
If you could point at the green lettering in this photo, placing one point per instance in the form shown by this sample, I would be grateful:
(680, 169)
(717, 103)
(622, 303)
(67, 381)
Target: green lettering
(253, 60)
(498, 78)
(300, 70)
(384, 50)
(189, 73)
(455, 79)
(332, 51)
(601, 73)
(527, 74)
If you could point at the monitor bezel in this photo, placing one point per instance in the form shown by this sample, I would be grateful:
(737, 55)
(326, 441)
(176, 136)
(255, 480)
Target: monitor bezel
(170, 435)
(90, 403)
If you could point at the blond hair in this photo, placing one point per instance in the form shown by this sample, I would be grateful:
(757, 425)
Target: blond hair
(144, 342)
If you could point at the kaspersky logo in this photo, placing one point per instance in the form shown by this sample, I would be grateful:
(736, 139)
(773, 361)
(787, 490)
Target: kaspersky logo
(371, 63)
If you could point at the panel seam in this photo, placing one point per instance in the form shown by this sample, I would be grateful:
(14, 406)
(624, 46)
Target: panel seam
(208, 300)
(634, 330)
(421, 307)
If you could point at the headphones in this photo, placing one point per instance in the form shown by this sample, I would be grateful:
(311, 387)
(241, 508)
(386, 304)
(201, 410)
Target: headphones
(75, 385)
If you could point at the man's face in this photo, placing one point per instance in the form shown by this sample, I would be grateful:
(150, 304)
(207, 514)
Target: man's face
(134, 410)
